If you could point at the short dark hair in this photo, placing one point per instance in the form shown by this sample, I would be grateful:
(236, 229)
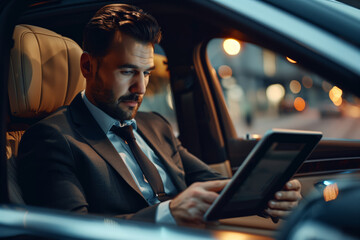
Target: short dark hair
(100, 30)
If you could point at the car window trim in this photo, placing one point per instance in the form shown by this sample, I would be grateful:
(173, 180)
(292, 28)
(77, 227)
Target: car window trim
(327, 17)
(344, 54)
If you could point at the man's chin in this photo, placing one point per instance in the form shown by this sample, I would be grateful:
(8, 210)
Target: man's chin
(127, 115)
(131, 111)
(124, 112)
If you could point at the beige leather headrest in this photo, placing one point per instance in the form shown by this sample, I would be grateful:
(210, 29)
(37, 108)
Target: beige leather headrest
(44, 72)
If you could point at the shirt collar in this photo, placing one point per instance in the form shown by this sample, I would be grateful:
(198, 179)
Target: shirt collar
(104, 120)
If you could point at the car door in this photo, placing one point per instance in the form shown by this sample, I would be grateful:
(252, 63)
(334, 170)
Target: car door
(285, 69)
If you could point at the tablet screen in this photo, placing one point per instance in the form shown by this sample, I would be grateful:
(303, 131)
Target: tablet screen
(275, 162)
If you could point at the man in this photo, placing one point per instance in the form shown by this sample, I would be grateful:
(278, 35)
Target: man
(77, 159)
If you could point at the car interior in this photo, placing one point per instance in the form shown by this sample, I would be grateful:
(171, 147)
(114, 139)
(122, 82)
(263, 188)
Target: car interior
(44, 75)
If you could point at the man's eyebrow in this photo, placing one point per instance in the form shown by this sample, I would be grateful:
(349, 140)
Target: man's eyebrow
(134, 67)
(151, 68)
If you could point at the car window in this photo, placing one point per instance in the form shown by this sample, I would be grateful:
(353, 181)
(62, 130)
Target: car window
(158, 97)
(264, 90)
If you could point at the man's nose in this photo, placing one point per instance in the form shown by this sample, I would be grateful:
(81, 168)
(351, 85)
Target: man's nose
(139, 84)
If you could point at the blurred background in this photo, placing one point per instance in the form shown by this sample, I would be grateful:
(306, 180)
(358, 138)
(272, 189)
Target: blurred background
(264, 90)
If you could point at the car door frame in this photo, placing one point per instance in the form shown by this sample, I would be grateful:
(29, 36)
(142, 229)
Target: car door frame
(344, 155)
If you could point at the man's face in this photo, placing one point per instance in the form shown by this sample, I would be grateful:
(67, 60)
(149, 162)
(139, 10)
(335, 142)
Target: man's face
(120, 77)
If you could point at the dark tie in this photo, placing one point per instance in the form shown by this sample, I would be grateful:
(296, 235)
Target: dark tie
(147, 167)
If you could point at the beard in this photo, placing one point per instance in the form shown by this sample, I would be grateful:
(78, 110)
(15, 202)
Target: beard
(114, 109)
(106, 101)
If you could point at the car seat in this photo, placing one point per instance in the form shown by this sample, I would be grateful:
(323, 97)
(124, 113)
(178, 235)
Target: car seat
(44, 75)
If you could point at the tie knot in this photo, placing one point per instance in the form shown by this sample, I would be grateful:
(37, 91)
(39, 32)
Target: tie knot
(125, 132)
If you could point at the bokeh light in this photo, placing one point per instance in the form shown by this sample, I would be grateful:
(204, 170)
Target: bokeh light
(235, 93)
(307, 81)
(228, 82)
(275, 93)
(338, 102)
(225, 71)
(299, 104)
(331, 192)
(335, 95)
(291, 60)
(295, 86)
(269, 61)
(231, 46)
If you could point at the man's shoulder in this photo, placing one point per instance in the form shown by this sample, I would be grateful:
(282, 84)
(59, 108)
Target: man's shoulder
(66, 113)
(153, 122)
(52, 126)
(56, 116)
(58, 120)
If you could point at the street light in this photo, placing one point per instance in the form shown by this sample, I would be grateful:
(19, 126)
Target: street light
(231, 46)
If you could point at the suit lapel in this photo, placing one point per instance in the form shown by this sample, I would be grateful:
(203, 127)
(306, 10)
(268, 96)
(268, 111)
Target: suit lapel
(164, 154)
(88, 128)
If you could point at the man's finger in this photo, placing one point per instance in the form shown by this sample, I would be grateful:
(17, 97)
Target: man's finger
(286, 206)
(202, 208)
(277, 213)
(293, 185)
(214, 186)
(288, 195)
(202, 195)
(209, 197)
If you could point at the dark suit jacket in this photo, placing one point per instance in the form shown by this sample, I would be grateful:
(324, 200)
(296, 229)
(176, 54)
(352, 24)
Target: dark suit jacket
(66, 161)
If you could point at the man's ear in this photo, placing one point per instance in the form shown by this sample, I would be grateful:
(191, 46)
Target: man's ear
(86, 65)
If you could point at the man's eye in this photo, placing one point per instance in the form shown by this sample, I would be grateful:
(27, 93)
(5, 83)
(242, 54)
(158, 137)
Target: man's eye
(124, 72)
(147, 73)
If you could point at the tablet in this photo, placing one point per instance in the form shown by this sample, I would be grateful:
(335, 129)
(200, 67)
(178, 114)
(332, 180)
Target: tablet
(270, 164)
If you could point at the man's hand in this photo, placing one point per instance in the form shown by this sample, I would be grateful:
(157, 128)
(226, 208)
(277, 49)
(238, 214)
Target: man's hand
(190, 206)
(285, 200)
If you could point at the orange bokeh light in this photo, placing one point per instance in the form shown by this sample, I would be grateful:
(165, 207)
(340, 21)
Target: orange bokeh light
(335, 94)
(225, 71)
(299, 104)
(295, 86)
(291, 60)
(331, 192)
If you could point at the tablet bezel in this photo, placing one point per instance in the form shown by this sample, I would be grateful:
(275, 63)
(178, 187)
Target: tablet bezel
(218, 211)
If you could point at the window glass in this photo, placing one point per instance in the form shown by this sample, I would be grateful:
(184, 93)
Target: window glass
(264, 90)
(158, 97)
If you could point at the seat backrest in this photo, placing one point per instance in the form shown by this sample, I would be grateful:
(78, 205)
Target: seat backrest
(44, 75)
